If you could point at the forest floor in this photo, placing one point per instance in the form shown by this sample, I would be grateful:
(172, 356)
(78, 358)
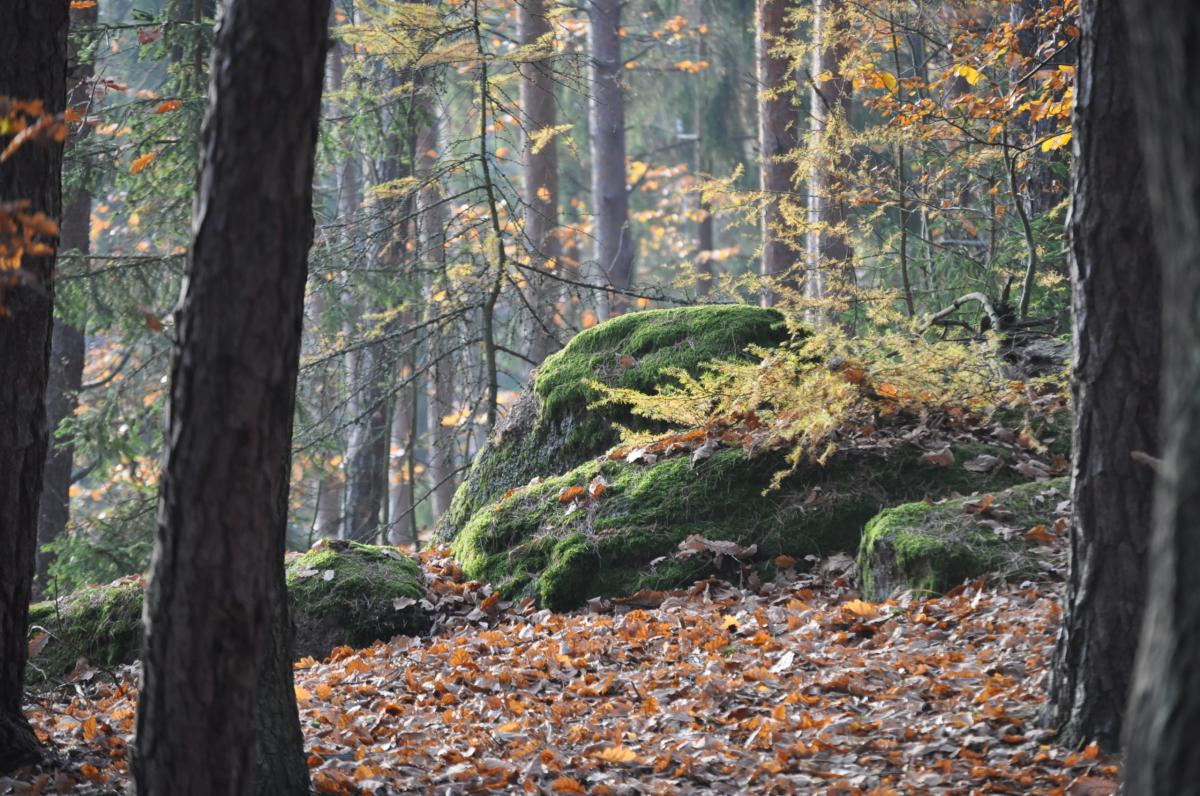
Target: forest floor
(794, 686)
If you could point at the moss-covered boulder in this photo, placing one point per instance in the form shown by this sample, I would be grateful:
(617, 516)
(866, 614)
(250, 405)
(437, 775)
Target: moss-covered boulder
(620, 533)
(340, 593)
(549, 430)
(934, 547)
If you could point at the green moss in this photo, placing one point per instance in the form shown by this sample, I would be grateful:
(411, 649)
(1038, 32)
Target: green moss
(353, 605)
(551, 430)
(530, 544)
(932, 548)
(100, 623)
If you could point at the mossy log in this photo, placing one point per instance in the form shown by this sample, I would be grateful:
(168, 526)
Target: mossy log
(340, 593)
(550, 430)
(531, 543)
(931, 548)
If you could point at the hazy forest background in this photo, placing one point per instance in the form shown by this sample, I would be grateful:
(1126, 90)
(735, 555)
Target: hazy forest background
(595, 397)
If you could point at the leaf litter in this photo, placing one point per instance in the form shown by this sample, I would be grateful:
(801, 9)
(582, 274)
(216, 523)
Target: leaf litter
(796, 686)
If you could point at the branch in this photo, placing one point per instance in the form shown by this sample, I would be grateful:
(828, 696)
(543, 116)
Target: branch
(983, 300)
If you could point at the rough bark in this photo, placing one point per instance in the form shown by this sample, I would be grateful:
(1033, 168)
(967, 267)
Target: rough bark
(778, 135)
(1116, 311)
(1165, 704)
(33, 40)
(217, 711)
(606, 115)
(831, 258)
(67, 343)
(540, 183)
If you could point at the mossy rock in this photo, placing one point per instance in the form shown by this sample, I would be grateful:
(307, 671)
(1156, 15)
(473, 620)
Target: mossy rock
(355, 605)
(530, 544)
(550, 430)
(931, 548)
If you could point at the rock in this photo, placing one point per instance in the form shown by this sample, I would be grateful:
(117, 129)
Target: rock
(340, 593)
(933, 547)
(550, 430)
(625, 539)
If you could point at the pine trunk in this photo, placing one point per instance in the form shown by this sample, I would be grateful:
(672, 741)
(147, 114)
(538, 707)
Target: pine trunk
(67, 343)
(777, 137)
(217, 711)
(540, 185)
(610, 199)
(33, 40)
(1117, 311)
(831, 258)
(1165, 704)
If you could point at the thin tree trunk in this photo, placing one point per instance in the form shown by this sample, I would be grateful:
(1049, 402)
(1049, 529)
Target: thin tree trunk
(1165, 704)
(831, 258)
(540, 184)
(705, 234)
(33, 40)
(217, 711)
(777, 138)
(606, 115)
(1117, 299)
(67, 343)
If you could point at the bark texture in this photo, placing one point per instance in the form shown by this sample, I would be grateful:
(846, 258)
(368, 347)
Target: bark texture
(540, 184)
(1116, 310)
(217, 711)
(67, 343)
(1165, 704)
(610, 199)
(33, 41)
(831, 258)
(778, 135)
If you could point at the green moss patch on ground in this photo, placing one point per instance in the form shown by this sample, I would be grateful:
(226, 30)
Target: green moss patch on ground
(341, 593)
(624, 540)
(933, 547)
(550, 430)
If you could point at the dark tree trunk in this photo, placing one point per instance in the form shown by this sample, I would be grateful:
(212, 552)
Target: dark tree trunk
(610, 199)
(1165, 705)
(540, 184)
(33, 65)
(67, 344)
(778, 135)
(831, 258)
(217, 711)
(1117, 299)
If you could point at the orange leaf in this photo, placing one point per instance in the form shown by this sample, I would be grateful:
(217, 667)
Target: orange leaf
(861, 608)
(619, 754)
(90, 730)
(142, 162)
(567, 785)
(569, 493)
(166, 106)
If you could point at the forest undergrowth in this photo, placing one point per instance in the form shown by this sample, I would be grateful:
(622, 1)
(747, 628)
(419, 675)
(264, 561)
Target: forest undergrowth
(790, 686)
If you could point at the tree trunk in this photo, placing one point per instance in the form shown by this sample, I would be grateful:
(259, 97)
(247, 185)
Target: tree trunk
(831, 258)
(217, 711)
(777, 137)
(67, 344)
(1165, 703)
(33, 40)
(1117, 300)
(540, 184)
(440, 404)
(610, 199)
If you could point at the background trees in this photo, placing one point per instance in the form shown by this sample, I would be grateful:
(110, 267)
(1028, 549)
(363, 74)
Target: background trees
(33, 38)
(217, 712)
